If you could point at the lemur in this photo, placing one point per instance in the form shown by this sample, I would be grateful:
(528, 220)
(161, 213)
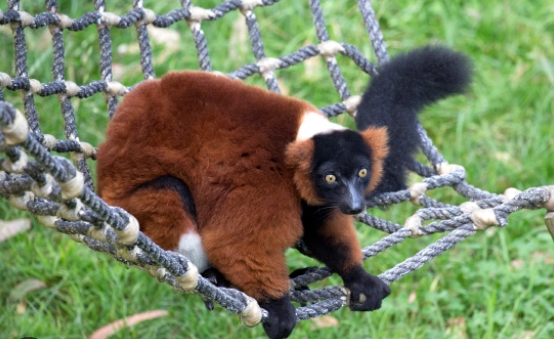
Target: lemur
(231, 175)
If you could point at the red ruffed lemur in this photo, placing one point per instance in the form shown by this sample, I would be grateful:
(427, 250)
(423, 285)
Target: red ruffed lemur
(231, 175)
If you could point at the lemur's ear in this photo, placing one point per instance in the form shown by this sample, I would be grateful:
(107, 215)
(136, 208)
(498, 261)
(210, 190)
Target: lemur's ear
(376, 139)
(298, 157)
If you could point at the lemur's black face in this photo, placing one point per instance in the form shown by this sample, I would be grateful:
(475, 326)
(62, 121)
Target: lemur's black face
(341, 169)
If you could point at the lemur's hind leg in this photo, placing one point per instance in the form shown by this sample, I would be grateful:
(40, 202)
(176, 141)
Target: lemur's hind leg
(331, 238)
(246, 240)
(165, 210)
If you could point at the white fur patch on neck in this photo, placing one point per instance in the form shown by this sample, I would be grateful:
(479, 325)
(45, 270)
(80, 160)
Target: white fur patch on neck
(190, 246)
(315, 123)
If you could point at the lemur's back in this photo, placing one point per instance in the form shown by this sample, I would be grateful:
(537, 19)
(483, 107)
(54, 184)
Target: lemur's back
(213, 133)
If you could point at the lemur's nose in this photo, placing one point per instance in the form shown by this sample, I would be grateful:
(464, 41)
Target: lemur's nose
(353, 200)
(354, 209)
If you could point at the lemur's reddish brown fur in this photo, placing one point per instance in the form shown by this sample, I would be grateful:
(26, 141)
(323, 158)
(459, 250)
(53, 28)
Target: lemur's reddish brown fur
(346, 234)
(227, 142)
(298, 156)
(154, 208)
(376, 139)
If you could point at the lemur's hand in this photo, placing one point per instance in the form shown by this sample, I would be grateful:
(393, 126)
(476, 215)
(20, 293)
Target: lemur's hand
(366, 291)
(282, 317)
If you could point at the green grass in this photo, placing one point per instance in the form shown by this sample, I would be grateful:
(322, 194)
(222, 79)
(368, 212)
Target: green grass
(494, 285)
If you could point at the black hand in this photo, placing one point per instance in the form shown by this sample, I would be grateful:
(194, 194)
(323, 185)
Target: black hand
(366, 291)
(282, 317)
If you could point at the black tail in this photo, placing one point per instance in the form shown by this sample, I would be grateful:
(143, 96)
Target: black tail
(403, 87)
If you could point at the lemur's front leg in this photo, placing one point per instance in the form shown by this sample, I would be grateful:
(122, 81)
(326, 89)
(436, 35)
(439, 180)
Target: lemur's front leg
(331, 237)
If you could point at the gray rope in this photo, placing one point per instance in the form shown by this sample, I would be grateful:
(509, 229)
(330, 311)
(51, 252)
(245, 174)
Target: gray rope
(144, 46)
(425, 255)
(430, 203)
(331, 62)
(62, 171)
(105, 41)
(430, 151)
(334, 109)
(361, 61)
(372, 27)
(58, 60)
(258, 48)
(96, 224)
(387, 199)
(377, 223)
(472, 192)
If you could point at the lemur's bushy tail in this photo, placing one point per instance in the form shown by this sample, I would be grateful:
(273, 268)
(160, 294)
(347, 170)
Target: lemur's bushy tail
(403, 87)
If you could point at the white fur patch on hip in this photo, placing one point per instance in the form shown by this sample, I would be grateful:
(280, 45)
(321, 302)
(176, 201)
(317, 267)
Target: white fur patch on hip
(190, 245)
(315, 123)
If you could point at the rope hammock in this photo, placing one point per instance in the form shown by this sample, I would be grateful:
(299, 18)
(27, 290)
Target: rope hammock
(61, 194)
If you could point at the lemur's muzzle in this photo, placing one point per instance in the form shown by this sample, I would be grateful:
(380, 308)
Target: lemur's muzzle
(353, 200)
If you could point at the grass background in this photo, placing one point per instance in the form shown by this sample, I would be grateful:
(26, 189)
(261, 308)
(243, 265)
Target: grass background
(494, 285)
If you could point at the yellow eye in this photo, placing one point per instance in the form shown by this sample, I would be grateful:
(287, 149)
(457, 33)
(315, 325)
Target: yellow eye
(330, 178)
(362, 173)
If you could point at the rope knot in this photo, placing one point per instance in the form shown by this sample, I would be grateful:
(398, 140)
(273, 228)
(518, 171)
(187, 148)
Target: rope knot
(131, 255)
(248, 5)
(189, 280)
(267, 65)
(446, 168)
(329, 49)
(549, 204)
(16, 132)
(49, 141)
(129, 234)
(416, 191)
(46, 188)
(73, 187)
(65, 21)
(469, 207)
(68, 213)
(414, 224)
(99, 233)
(511, 193)
(87, 150)
(115, 88)
(15, 167)
(352, 103)
(149, 17)
(48, 220)
(252, 313)
(71, 88)
(198, 14)
(20, 201)
(109, 19)
(25, 19)
(483, 219)
(156, 271)
(5, 80)
(35, 85)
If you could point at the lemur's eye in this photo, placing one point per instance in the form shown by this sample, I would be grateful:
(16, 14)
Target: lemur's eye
(362, 173)
(330, 178)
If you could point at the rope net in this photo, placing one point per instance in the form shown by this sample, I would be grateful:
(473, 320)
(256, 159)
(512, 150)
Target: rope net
(61, 193)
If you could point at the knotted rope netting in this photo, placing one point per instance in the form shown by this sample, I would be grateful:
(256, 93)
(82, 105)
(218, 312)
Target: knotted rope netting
(60, 193)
